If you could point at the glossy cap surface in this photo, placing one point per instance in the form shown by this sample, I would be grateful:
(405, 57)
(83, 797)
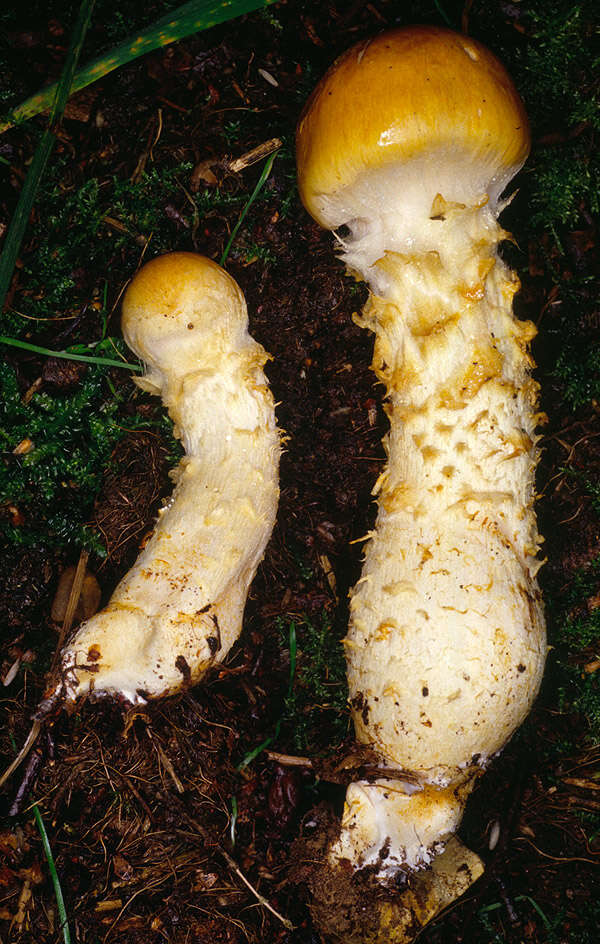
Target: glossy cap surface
(400, 97)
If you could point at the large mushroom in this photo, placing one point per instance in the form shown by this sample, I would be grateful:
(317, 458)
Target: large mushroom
(179, 610)
(405, 149)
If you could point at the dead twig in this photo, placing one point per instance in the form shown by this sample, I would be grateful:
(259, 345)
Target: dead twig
(31, 739)
(236, 869)
(71, 604)
(260, 898)
(31, 772)
(464, 20)
(254, 156)
(166, 763)
(287, 760)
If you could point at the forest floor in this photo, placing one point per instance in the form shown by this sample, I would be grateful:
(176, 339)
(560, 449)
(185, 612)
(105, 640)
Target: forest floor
(154, 814)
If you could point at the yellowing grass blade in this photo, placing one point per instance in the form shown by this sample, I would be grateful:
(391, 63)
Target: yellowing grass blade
(191, 17)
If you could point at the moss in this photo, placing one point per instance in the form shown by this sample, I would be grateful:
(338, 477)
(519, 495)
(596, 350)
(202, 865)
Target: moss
(96, 224)
(579, 372)
(52, 486)
(551, 51)
(564, 182)
(559, 60)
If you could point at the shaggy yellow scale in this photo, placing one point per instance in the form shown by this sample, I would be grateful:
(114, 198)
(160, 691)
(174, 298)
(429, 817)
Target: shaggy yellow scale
(408, 143)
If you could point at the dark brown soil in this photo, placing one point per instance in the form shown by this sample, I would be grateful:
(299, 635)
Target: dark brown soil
(138, 803)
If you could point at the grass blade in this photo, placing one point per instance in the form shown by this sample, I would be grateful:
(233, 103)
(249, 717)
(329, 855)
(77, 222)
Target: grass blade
(251, 755)
(443, 14)
(20, 219)
(260, 184)
(191, 17)
(60, 901)
(18, 224)
(537, 908)
(65, 355)
(63, 90)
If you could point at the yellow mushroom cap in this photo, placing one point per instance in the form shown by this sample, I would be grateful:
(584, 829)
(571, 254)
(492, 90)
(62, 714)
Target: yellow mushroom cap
(179, 307)
(421, 96)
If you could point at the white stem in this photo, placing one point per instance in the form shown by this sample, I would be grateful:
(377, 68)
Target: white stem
(179, 609)
(446, 643)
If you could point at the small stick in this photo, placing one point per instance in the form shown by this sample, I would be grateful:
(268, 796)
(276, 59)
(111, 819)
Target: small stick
(235, 868)
(287, 760)
(166, 763)
(31, 739)
(27, 782)
(369, 770)
(72, 603)
(260, 898)
(254, 156)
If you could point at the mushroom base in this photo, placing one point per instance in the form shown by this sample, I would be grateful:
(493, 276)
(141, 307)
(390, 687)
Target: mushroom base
(348, 908)
(392, 827)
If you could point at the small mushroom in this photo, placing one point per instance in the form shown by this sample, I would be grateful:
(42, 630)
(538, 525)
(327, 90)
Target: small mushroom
(405, 148)
(179, 609)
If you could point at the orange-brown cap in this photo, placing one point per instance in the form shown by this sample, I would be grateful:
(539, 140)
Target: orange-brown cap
(181, 304)
(421, 95)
